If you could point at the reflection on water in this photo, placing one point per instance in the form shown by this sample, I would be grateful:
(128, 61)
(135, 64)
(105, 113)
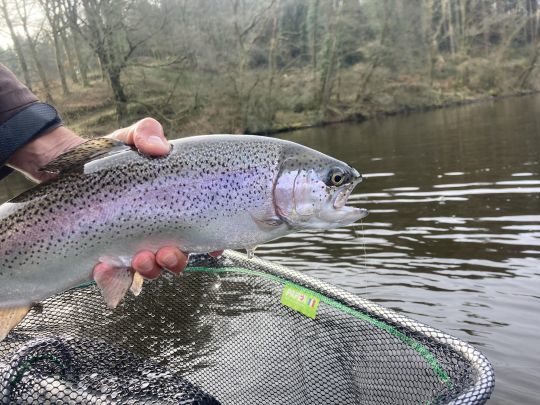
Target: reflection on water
(453, 238)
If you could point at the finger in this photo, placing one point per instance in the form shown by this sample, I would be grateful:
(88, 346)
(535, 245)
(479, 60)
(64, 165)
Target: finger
(172, 259)
(124, 134)
(147, 136)
(217, 253)
(145, 263)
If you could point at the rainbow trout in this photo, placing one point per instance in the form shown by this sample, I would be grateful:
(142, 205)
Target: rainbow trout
(209, 193)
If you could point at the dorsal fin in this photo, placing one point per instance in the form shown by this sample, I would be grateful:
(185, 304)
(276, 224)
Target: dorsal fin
(75, 158)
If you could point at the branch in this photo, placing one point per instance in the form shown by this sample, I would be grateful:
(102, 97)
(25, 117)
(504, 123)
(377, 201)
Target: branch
(256, 20)
(133, 47)
(173, 90)
(176, 60)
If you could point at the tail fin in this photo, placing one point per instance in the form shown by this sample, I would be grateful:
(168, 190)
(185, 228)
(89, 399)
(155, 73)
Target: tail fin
(10, 317)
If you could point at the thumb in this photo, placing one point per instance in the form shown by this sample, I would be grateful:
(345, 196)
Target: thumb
(147, 136)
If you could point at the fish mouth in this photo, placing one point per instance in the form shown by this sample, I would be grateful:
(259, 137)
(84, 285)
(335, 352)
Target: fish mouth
(342, 196)
(340, 199)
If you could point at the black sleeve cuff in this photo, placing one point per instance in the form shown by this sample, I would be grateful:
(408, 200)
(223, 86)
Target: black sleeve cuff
(23, 127)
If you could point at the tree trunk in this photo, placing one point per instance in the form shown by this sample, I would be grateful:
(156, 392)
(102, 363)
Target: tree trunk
(312, 23)
(37, 61)
(464, 24)
(330, 59)
(81, 61)
(59, 64)
(51, 13)
(272, 49)
(70, 14)
(70, 58)
(376, 59)
(120, 98)
(524, 76)
(17, 45)
(486, 33)
(532, 9)
(41, 71)
(449, 28)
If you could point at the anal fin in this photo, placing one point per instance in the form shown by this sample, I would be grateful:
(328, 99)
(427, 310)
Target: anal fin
(10, 317)
(114, 284)
(137, 284)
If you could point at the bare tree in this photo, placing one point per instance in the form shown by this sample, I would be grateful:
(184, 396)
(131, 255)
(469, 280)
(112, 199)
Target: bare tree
(70, 16)
(22, 12)
(52, 12)
(245, 64)
(378, 51)
(247, 31)
(108, 31)
(329, 57)
(449, 26)
(274, 43)
(67, 44)
(16, 42)
(312, 27)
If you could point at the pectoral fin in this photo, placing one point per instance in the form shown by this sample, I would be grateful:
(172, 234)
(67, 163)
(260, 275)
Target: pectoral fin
(10, 317)
(114, 284)
(268, 222)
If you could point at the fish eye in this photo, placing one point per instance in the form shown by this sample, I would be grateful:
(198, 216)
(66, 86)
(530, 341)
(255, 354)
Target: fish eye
(337, 178)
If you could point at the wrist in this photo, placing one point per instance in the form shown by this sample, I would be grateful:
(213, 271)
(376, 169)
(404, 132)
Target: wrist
(42, 150)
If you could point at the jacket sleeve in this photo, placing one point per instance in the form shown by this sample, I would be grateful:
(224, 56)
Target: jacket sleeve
(22, 117)
(14, 96)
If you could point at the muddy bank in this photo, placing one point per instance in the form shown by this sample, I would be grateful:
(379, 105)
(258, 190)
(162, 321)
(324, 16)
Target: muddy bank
(361, 117)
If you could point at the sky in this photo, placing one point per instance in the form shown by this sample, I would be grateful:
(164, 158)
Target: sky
(5, 41)
(35, 15)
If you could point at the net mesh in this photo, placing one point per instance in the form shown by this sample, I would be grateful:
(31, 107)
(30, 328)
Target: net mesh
(220, 334)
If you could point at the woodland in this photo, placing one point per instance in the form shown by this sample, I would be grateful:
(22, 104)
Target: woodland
(263, 66)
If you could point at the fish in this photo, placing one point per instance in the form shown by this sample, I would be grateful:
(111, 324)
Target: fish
(109, 201)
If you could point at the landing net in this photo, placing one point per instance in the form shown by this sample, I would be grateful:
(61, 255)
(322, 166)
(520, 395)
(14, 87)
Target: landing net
(234, 331)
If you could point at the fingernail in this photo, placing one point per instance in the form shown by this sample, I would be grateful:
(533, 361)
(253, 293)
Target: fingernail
(156, 140)
(170, 260)
(146, 265)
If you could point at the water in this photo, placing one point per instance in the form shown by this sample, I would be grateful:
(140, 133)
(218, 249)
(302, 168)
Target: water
(453, 238)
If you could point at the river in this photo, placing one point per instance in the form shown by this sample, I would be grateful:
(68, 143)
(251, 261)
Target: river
(453, 237)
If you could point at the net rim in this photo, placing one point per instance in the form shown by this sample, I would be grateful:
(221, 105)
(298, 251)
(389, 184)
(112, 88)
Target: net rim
(484, 377)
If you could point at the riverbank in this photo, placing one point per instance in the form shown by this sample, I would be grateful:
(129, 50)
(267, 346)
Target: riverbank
(359, 117)
(201, 103)
(269, 66)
